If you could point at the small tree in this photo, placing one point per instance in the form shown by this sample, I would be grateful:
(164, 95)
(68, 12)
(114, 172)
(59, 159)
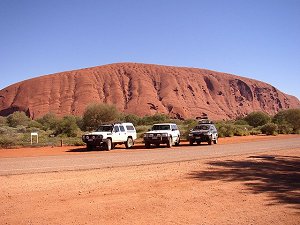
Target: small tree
(256, 119)
(49, 121)
(288, 118)
(3, 121)
(67, 126)
(269, 129)
(18, 118)
(96, 114)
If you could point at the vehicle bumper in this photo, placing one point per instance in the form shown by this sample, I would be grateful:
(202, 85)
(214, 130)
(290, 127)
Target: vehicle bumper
(160, 140)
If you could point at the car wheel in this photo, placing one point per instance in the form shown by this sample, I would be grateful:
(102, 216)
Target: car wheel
(198, 142)
(210, 140)
(177, 142)
(89, 147)
(147, 144)
(191, 142)
(129, 143)
(108, 145)
(216, 141)
(169, 144)
(157, 145)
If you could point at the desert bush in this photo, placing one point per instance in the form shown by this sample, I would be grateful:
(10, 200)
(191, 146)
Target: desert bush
(241, 130)
(269, 129)
(3, 121)
(225, 130)
(48, 121)
(289, 118)
(6, 141)
(130, 118)
(96, 114)
(18, 118)
(256, 119)
(285, 128)
(255, 131)
(67, 126)
(240, 122)
(35, 124)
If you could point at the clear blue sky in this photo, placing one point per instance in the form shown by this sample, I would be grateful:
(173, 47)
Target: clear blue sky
(258, 39)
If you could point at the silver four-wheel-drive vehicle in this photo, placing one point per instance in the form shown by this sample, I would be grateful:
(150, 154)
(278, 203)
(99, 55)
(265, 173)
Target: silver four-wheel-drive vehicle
(205, 131)
(109, 135)
(162, 133)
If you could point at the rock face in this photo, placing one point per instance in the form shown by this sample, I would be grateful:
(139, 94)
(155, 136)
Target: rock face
(144, 89)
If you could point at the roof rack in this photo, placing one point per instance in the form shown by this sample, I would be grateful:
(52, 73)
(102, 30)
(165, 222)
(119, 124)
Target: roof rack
(205, 121)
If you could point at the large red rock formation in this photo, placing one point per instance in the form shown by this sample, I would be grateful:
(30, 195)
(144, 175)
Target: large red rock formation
(144, 90)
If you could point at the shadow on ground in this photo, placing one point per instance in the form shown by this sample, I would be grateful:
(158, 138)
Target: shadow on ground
(279, 176)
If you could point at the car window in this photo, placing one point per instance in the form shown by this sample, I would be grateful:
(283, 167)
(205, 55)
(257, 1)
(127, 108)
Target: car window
(116, 129)
(129, 127)
(161, 127)
(174, 127)
(122, 129)
(202, 127)
(105, 128)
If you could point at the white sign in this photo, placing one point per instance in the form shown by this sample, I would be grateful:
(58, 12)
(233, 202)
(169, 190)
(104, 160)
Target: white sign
(32, 135)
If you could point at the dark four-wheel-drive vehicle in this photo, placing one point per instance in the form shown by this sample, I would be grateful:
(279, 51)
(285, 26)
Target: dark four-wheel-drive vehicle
(205, 131)
(109, 135)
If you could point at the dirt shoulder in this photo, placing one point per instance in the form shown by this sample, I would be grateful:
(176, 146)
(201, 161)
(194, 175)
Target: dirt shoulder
(248, 189)
(49, 150)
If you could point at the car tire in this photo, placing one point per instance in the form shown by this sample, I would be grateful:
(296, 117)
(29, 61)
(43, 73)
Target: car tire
(191, 142)
(169, 144)
(177, 142)
(157, 145)
(108, 145)
(216, 141)
(89, 147)
(210, 140)
(129, 143)
(198, 142)
(147, 144)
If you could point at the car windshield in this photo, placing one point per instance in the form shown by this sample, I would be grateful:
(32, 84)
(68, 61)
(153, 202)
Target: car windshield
(202, 127)
(105, 128)
(161, 127)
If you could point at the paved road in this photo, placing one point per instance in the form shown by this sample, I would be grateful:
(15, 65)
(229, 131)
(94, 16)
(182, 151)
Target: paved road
(102, 159)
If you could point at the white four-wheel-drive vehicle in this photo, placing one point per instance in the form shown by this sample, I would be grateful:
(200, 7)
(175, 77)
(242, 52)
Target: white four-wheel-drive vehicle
(109, 135)
(162, 133)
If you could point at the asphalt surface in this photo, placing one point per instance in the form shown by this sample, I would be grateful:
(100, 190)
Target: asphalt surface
(134, 157)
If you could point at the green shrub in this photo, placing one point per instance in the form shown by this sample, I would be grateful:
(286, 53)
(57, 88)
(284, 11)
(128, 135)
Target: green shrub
(3, 121)
(18, 118)
(96, 114)
(285, 128)
(289, 118)
(225, 130)
(240, 122)
(256, 119)
(241, 130)
(131, 118)
(6, 141)
(269, 129)
(67, 126)
(48, 121)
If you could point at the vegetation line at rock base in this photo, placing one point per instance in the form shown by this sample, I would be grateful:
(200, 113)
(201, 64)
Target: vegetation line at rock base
(16, 128)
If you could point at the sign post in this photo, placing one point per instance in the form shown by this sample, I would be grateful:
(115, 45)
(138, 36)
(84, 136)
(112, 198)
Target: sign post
(36, 135)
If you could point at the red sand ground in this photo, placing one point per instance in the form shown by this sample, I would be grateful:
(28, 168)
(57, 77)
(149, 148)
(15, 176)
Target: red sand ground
(234, 190)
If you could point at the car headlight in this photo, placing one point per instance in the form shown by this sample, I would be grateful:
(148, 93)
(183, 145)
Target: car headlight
(145, 135)
(165, 134)
(150, 135)
(190, 135)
